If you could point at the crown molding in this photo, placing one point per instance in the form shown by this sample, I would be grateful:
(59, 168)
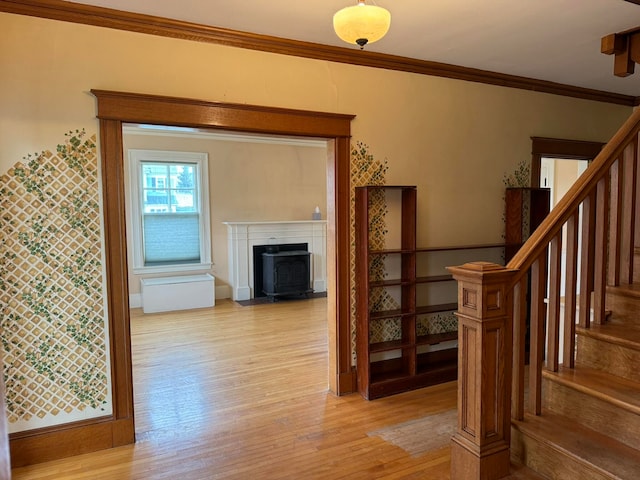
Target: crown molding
(147, 24)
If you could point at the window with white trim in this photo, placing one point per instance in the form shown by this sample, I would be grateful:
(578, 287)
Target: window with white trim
(169, 211)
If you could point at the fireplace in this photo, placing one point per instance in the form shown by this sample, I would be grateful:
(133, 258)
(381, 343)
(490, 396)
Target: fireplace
(285, 273)
(258, 262)
(243, 236)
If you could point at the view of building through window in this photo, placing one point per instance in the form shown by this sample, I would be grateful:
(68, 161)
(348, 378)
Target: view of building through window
(169, 187)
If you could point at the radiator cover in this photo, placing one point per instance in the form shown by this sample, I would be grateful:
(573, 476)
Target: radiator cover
(165, 294)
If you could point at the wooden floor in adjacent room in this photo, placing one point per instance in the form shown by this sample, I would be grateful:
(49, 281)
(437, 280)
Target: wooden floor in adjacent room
(240, 392)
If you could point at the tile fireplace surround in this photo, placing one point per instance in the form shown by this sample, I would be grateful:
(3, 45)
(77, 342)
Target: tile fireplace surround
(242, 236)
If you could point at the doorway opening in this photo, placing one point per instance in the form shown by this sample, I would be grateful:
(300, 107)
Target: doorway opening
(558, 149)
(116, 108)
(556, 164)
(558, 174)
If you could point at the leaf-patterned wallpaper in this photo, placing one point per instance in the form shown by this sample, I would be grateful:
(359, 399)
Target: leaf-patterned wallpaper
(365, 170)
(52, 306)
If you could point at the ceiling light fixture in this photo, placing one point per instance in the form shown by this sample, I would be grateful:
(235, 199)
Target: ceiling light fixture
(361, 24)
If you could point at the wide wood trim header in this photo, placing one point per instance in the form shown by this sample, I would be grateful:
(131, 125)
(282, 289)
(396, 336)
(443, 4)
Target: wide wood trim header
(154, 109)
(560, 148)
(105, 17)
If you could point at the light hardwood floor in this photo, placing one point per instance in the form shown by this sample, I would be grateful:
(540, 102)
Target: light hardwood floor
(241, 393)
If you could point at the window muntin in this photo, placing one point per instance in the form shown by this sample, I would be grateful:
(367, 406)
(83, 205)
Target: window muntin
(169, 187)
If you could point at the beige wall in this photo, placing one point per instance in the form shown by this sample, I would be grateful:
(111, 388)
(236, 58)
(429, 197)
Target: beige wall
(247, 182)
(453, 139)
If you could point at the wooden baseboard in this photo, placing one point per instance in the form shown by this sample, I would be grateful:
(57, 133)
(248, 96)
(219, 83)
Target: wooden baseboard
(68, 440)
(347, 382)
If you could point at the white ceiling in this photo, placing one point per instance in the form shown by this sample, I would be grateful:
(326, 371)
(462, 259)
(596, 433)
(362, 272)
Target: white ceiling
(553, 40)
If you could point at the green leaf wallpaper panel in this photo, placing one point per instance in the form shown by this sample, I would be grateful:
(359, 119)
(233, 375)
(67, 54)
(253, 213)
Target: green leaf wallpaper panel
(52, 305)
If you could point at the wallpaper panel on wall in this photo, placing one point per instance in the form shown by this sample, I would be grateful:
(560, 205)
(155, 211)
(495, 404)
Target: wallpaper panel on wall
(52, 307)
(365, 170)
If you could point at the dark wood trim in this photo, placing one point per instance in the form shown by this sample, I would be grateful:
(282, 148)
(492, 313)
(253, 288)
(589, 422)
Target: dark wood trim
(116, 267)
(123, 431)
(560, 148)
(625, 46)
(77, 438)
(105, 17)
(155, 109)
(114, 109)
(45, 444)
(348, 381)
(339, 243)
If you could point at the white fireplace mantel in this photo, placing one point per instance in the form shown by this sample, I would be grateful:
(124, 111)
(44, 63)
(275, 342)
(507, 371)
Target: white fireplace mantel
(242, 236)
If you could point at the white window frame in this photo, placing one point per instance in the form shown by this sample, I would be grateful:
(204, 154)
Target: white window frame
(201, 159)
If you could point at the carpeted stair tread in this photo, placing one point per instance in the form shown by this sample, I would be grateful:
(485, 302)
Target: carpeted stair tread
(597, 451)
(616, 390)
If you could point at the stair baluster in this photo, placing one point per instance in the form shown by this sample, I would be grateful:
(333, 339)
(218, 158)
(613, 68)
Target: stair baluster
(596, 220)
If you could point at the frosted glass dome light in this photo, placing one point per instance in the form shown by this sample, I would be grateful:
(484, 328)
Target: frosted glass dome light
(361, 24)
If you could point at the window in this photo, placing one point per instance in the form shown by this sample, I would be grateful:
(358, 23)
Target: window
(169, 211)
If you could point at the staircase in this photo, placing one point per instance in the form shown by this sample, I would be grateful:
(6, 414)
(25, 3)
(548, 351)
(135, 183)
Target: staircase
(590, 422)
(568, 407)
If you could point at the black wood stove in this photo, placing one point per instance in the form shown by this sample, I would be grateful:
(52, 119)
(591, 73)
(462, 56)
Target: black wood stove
(286, 273)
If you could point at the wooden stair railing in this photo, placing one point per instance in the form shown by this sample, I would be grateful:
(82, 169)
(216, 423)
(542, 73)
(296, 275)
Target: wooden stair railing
(596, 220)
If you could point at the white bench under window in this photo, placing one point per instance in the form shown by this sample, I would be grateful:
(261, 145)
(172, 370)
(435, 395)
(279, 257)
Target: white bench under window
(165, 294)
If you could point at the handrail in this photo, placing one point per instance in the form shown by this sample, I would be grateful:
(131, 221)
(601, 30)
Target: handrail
(542, 236)
(526, 315)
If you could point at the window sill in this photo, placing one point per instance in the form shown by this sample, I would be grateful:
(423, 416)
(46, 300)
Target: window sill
(200, 267)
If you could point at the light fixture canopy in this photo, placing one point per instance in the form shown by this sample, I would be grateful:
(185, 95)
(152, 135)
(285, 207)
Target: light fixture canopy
(361, 24)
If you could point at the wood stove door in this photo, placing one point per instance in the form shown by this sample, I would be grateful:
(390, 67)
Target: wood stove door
(286, 273)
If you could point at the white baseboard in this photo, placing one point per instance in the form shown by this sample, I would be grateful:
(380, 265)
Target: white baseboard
(135, 300)
(319, 286)
(223, 291)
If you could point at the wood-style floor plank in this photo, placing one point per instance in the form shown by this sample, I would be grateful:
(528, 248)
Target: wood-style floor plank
(235, 392)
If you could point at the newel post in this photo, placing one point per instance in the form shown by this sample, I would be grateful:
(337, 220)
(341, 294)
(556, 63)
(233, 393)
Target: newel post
(480, 446)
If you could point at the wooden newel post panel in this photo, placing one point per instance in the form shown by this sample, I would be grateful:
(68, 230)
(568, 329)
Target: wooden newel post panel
(480, 446)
